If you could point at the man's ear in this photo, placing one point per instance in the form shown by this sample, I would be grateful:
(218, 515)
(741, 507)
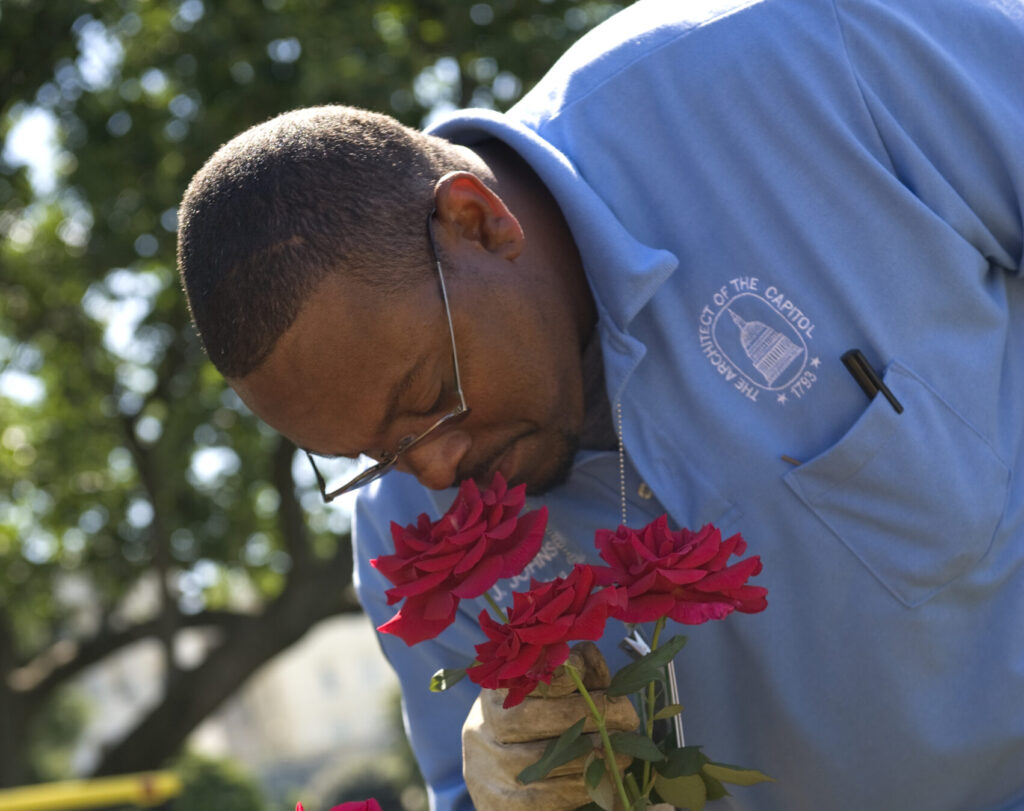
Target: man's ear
(468, 208)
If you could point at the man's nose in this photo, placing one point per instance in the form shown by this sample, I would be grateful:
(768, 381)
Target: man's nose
(435, 460)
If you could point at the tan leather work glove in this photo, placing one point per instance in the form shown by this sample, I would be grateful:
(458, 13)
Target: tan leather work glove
(497, 744)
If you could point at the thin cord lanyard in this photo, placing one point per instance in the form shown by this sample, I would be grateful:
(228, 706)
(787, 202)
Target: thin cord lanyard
(622, 461)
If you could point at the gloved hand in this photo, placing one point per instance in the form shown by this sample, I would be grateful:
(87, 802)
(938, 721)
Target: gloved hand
(497, 744)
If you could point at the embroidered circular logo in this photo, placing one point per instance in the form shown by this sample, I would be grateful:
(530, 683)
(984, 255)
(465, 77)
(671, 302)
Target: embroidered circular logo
(758, 340)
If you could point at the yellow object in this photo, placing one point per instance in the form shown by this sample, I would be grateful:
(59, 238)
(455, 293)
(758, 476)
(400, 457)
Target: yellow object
(144, 789)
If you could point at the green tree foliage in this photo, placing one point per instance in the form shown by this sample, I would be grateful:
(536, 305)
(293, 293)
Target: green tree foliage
(127, 468)
(212, 785)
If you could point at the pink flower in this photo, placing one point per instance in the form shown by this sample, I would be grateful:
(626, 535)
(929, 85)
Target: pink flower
(526, 650)
(680, 575)
(461, 555)
(358, 805)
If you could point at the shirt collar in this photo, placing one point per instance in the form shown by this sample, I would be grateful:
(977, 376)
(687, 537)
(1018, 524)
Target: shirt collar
(623, 272)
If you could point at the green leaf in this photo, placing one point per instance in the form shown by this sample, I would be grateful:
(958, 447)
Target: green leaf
(446, 679)
(687, 792)
(638, 674)
(716, 790)
(736, 775)
(636, 745)
(603, 794)
(682, 762)
(671, 711)
(568, 746)
(593, 771)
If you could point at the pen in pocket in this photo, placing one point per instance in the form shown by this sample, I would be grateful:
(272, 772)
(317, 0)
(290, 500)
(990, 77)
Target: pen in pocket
(867, 378)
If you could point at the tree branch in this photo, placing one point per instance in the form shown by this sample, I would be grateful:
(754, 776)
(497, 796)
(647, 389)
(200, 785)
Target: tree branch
(251, 643)
(148, 468)
(40, 676)
(290, 518)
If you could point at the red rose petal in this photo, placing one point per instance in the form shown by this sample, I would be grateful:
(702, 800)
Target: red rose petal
(732, 577)
(478, 540)
(480, 579)
(417, 586)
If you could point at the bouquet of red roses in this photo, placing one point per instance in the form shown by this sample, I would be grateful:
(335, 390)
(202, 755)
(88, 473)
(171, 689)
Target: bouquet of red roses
(650, 575)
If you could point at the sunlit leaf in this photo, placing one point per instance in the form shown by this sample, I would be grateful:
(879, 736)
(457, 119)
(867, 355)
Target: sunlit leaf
(446, 679)
(683, 792)
(736, 775)
(715, 788)
(670, 711)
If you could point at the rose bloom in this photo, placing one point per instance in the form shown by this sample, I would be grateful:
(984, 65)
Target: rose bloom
(681, 575)
(526, 650)
(358, 805)
(476, 542)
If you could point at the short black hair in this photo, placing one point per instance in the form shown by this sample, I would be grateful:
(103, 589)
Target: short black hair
(279, 207)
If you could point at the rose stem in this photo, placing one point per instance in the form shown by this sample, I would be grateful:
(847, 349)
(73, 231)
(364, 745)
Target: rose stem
(609, 753)
(658, 626)
(495, 607)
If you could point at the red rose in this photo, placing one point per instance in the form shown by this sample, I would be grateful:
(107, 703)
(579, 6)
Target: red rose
(461, 555)
(358, 805)
(526, 650)
(680, 575)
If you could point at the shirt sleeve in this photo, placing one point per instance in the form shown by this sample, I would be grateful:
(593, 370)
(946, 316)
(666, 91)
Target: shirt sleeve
(433, 721)
(942, 81)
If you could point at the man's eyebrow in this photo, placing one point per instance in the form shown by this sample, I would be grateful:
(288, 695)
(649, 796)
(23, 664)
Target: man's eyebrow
(398, 391)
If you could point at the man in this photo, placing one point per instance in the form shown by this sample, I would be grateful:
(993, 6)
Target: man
(649, 272)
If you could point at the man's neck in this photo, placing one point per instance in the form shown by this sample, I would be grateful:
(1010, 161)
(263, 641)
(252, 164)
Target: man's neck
(598, 432)
(549, 240)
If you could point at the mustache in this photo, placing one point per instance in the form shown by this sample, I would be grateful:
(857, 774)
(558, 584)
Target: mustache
(482, 471)
(562, 467)
(562, 463)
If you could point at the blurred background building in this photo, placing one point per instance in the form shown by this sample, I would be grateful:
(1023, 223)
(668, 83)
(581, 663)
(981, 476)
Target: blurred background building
(309, 722)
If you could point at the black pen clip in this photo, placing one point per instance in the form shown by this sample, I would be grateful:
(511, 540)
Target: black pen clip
(867, 378)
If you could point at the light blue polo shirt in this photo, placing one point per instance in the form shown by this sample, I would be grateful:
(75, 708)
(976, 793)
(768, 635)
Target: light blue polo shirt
(756, 188)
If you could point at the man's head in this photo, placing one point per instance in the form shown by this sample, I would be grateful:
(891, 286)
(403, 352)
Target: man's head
(284, 204)
(305, 257)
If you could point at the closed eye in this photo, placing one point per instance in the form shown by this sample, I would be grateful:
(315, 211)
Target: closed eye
(435, 406)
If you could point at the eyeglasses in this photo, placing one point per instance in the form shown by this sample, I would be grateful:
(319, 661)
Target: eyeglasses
(389, 459)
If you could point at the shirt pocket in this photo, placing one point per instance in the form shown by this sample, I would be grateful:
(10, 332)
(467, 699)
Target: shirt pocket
(916, 497)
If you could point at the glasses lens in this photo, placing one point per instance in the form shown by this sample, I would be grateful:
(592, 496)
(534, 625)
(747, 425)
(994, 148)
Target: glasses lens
(370, 474)
(337, 473)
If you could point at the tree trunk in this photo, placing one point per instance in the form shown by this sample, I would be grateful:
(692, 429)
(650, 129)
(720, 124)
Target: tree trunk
(313, 595)
(14, 766)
